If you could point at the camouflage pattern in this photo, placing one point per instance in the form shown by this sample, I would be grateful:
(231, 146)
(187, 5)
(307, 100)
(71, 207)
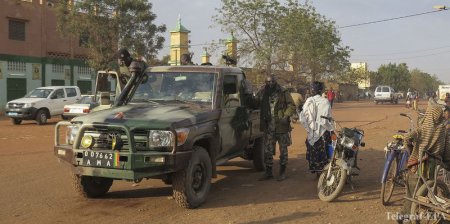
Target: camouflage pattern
(270, 140)
(202, 121)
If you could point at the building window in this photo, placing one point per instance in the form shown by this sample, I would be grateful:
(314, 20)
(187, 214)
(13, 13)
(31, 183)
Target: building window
(16, 30)
(84, 70)
(57, 68)
(17, 66)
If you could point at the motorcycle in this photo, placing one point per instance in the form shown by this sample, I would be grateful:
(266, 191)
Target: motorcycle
(343, 161)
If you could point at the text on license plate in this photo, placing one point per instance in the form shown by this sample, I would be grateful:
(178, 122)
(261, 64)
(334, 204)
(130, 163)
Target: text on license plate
(100, 159)
(12, 113)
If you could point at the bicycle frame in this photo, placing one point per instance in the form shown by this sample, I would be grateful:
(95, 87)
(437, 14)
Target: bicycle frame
(400, 155)
(431, 187)
(402, 159)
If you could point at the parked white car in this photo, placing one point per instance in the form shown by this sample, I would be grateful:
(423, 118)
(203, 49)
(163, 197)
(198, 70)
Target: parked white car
(385, 94)
(81, 107)
(42, 103)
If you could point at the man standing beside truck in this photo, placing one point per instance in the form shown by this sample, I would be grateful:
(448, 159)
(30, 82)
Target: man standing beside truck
(277, 107)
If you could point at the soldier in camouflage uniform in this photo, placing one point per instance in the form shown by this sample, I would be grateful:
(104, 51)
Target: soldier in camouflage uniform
(277, 107)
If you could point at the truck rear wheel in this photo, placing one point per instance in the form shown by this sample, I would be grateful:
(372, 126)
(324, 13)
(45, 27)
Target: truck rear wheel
(16, 121)
(258, 154)
(191, 185)
(91, 187)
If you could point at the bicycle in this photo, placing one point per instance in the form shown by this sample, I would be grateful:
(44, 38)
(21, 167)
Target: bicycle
(430, 200)
(394, 172)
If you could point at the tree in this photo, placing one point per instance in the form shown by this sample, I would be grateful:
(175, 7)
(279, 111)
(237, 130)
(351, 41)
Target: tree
(353, 75)
(279, 36)
(311, 43)
(396, 76)
(255, 24)
(104, 26)
(156, 62)
(423, 81)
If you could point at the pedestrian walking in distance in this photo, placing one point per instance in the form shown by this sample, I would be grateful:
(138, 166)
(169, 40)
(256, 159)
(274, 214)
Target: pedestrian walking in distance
(331, 95)
(277, 107)
(318, 129)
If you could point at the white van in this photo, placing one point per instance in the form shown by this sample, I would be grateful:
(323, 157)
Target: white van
(385, 94)
(42, 103)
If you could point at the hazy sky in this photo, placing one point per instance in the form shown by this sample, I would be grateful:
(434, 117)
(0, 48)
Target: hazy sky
(422, 42)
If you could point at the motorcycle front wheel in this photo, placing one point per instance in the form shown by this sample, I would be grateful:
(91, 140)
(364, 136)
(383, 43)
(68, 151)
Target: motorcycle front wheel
(330, 188)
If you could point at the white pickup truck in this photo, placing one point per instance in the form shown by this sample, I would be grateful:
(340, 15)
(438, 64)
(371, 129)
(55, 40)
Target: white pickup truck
(42, 103)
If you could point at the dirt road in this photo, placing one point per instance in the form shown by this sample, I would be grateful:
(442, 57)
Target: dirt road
(35, 188)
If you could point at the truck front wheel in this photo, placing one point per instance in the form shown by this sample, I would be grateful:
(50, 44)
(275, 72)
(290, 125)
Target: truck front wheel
(191, 185)
(258, 154)
(16, 121)
(91, 187)
(41, 117)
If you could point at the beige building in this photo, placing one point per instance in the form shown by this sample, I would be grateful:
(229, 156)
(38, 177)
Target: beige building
(33, 53)
(361, 67)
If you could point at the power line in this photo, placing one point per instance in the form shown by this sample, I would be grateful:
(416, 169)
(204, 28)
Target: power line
(390, 19)
(403, 52)
(413, 57)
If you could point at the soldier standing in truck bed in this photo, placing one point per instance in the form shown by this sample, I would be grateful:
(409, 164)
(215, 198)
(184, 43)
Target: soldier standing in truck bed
(277, 107)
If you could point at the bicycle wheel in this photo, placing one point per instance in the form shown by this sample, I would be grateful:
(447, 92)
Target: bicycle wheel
(387, 188)
(426, 214)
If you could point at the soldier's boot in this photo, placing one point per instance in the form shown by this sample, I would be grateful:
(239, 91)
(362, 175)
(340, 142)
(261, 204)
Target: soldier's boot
(267, 175)
(282, 173)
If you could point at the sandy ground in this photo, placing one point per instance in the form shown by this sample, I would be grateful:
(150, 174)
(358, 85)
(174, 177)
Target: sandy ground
(35, 187)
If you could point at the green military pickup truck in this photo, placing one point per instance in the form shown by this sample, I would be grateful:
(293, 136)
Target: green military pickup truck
(173, 123)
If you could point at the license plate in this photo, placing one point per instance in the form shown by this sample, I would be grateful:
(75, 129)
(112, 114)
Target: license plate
(12, 114)
(76, 110)
(100, 159)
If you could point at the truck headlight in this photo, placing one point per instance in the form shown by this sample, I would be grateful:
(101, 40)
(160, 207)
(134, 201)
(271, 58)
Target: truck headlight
(158, 138)
(71, 133)
(28, 105)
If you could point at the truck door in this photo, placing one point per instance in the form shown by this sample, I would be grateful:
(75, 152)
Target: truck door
(57, 101)
(231, 133)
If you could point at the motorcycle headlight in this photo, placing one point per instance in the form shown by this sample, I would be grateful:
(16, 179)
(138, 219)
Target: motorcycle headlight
(71, 133)
(347, 142)
(158, 138)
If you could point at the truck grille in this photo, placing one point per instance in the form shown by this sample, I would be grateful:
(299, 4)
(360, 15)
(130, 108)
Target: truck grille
(103, 138)
(15, 105)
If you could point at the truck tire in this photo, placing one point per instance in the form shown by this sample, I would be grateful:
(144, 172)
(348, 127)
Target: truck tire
(191, 185)
(258, 154)
(41, 117)
(91, 187)
(16, 121)
(167, 179)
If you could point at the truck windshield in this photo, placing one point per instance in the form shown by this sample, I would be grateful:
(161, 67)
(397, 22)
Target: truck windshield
(176, 86)
(39, 93)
